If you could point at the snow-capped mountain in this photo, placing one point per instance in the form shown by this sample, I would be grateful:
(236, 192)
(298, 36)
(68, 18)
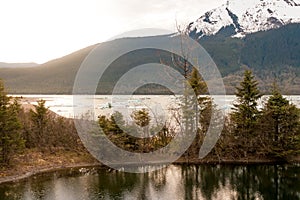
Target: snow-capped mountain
(247, 16)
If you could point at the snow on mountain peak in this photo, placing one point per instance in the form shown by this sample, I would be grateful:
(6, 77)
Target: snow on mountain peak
(247, 16)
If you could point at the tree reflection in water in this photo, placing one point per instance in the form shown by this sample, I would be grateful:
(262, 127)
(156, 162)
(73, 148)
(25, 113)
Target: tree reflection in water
(173, 182)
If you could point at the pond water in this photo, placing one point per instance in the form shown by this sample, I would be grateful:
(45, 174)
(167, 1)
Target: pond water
(174, 182)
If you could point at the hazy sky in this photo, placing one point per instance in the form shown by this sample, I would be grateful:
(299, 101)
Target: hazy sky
(41, 30)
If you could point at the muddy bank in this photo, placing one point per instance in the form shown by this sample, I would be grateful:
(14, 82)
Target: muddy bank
(33, 163)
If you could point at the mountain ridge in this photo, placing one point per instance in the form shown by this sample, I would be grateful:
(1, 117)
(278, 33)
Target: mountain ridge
(17, 65)
(272, 54)
(261, 52)
(247, 17)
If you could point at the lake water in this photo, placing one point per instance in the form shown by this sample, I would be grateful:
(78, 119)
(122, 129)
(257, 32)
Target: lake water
(104, 104)
(175, 182)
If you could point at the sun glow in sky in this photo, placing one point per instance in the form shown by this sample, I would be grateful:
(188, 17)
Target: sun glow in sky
(38, 31)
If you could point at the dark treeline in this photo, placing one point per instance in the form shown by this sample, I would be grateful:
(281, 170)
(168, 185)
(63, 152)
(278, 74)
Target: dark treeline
(36, 128)
(270, 132)
(250, 133)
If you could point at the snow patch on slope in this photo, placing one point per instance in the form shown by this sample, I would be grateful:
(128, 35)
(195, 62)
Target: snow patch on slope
(248, 16)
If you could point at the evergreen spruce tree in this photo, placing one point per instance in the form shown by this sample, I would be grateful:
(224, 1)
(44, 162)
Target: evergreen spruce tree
(142, 119)
(39, 117)
(117, 122)
(196, 82)
(10, 127)
(280, 124)
(201, 111)
(245, 113)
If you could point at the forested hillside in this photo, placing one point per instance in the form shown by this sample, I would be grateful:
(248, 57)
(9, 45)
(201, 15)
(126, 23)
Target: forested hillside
(273, 54)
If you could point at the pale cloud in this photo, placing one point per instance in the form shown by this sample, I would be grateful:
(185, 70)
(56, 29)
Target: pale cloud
(35, 30)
